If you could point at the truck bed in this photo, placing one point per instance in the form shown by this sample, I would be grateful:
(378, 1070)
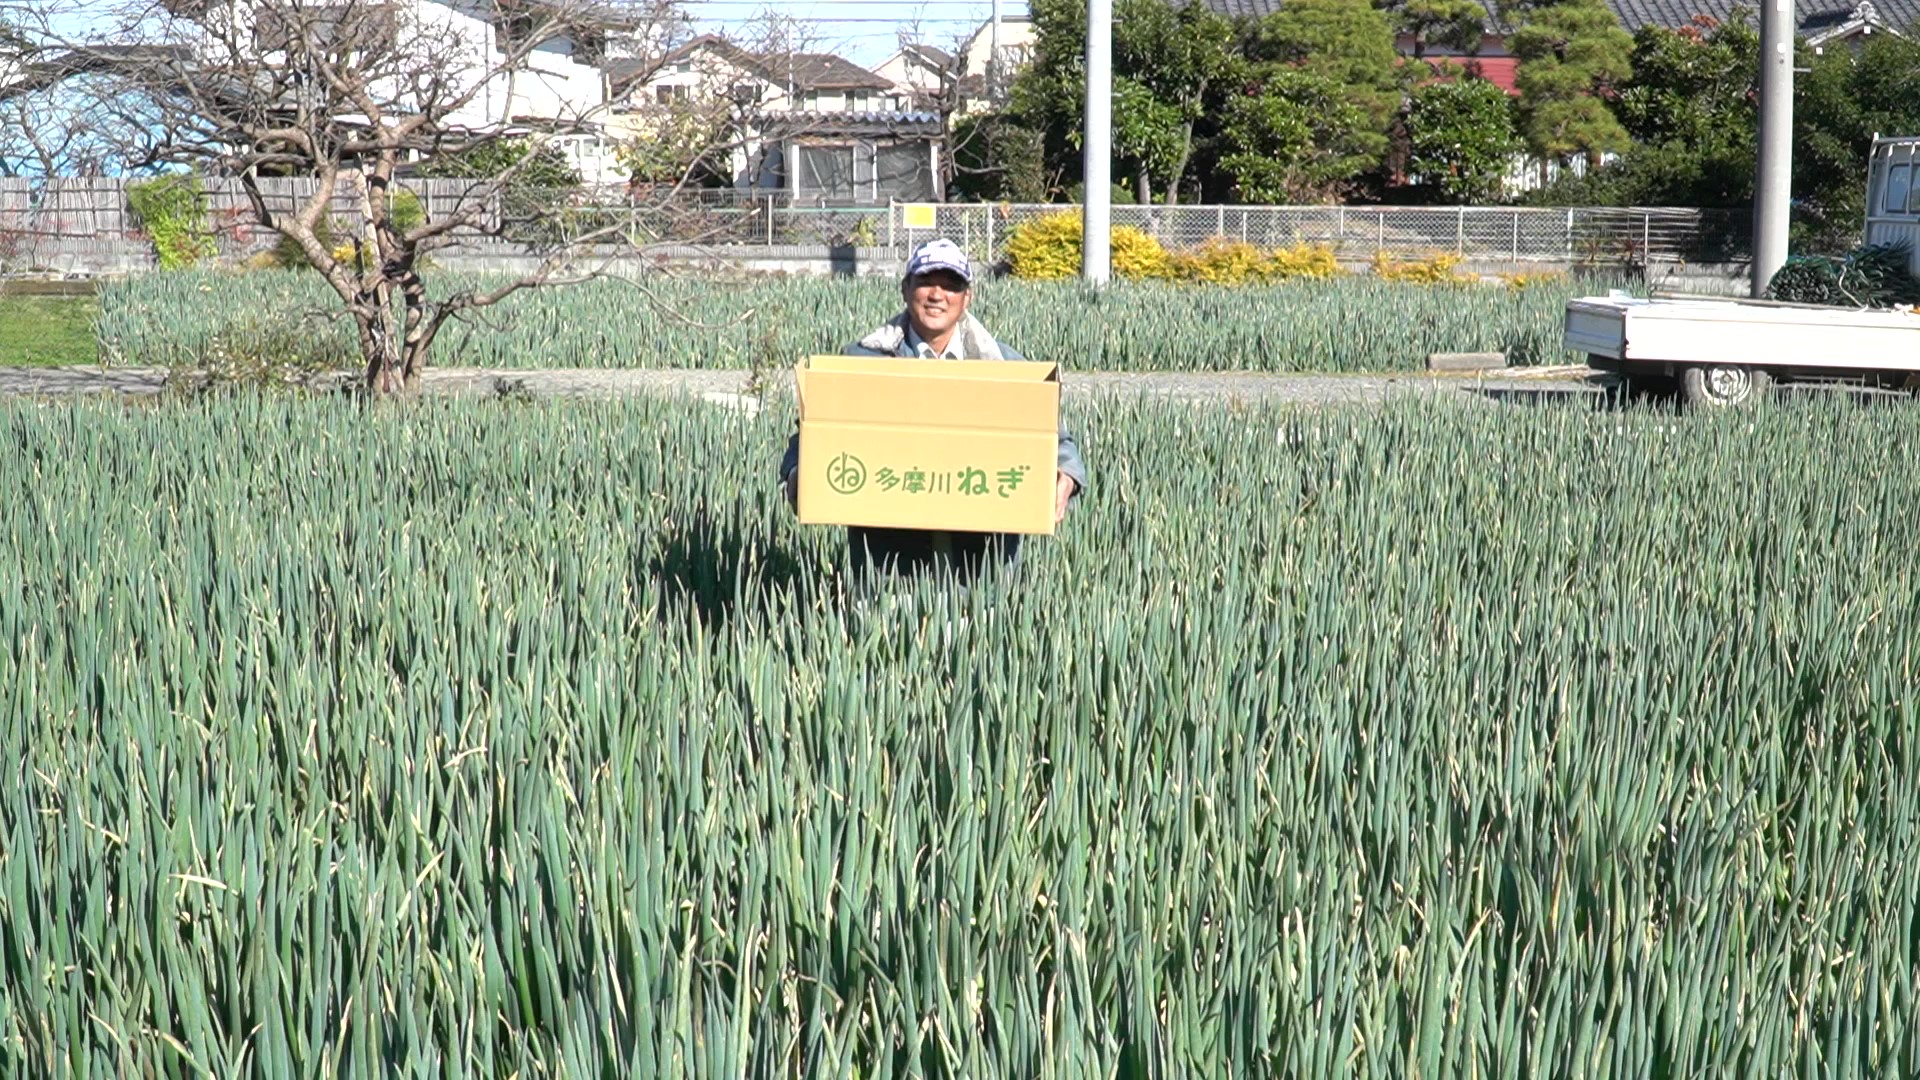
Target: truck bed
(1712, 332)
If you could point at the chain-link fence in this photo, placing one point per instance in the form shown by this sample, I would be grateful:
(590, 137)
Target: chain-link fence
(78, 216)
(1595, 235)
(1493, 234)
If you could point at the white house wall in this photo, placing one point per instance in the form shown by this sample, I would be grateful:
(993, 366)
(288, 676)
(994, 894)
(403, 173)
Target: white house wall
(468, 42)
(707, 75)
(1016, 46)
(703, 75)
(909, 76)
(550, 86)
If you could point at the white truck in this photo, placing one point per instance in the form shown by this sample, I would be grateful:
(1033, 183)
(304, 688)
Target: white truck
(1720, 351)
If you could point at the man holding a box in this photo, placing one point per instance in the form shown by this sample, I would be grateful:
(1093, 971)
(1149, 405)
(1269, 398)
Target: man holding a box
(936, 325)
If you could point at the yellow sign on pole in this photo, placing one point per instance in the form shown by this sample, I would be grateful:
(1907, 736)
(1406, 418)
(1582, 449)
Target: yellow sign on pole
(917, 215)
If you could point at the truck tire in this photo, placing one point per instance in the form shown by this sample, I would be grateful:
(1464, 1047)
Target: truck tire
(1724, 387)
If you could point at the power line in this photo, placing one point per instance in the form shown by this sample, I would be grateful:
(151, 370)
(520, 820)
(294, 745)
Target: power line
(848, 3)
(810, 11)
(742, 21)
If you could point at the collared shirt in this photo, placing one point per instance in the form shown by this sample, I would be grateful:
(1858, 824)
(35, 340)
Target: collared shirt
(925, 351)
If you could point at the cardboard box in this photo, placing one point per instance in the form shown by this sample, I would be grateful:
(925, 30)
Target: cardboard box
(963, 445)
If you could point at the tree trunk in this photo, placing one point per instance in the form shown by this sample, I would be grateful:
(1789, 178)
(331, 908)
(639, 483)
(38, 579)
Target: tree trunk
(1179, 171)
(1142, 187)
(420, 327)
(393, 345)
(382, 347)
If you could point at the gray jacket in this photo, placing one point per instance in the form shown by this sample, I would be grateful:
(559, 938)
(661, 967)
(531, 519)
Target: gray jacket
(975, 343)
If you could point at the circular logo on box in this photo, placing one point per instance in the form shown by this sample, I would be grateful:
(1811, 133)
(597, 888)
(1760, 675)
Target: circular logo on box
(846, 474)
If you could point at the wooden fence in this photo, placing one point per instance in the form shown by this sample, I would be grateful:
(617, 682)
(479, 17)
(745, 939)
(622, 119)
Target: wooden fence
(81, 220)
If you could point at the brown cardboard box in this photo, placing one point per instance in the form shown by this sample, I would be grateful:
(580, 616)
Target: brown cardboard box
(963, 445)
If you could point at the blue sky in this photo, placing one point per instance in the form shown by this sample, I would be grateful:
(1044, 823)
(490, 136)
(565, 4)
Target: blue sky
(864, 31)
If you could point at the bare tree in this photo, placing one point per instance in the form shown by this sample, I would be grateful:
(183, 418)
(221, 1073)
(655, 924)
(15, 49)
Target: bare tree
(355, 94)
(63, 120)
(776, 38)
(946, 97)
(58, 116)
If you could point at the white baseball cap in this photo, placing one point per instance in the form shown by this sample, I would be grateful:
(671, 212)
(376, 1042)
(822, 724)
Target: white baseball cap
(941, 254)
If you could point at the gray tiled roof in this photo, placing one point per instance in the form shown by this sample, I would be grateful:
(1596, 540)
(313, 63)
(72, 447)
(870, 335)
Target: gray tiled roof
(807, 71)
(1260, 9)
(888, 116)
(911, 123)
(1811, 16)
(162, 61)
(1244, 9)
(825, 71)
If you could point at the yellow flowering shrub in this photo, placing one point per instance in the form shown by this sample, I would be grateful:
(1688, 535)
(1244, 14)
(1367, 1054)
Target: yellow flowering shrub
(1437, 269)
(1533, 279)
(1302, 260)
(1047, 248)
(1220, 261)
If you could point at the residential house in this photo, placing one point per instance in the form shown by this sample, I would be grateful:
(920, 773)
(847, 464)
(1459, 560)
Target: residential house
(806, 127)
(560, 88)
(1244, 9)
(979, 92)
(918, 74)
(1823, 24)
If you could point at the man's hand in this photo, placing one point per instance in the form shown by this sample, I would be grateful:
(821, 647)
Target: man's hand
(1063, 488)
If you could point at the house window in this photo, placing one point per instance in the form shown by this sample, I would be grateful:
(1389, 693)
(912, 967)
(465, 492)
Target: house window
(827, 171)
(667, 95)
(1899, 179)
(903, 170)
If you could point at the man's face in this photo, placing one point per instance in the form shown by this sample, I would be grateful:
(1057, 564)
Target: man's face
(935, 301)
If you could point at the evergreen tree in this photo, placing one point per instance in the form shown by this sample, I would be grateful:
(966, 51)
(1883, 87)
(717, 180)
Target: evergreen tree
(1172, 66)
(1573, 54)
(1461, 137)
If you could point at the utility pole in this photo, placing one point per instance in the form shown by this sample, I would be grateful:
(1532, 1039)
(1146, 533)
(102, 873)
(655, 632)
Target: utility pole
(1097, 149)
(993, 58)
(1773, 190)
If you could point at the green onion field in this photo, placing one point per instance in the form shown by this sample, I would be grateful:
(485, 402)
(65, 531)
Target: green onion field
(1341, 325)
(1440, 739)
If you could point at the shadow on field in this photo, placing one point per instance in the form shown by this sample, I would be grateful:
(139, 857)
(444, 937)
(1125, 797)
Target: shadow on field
(1613, 396)
(711, 566)
(1586, 396)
